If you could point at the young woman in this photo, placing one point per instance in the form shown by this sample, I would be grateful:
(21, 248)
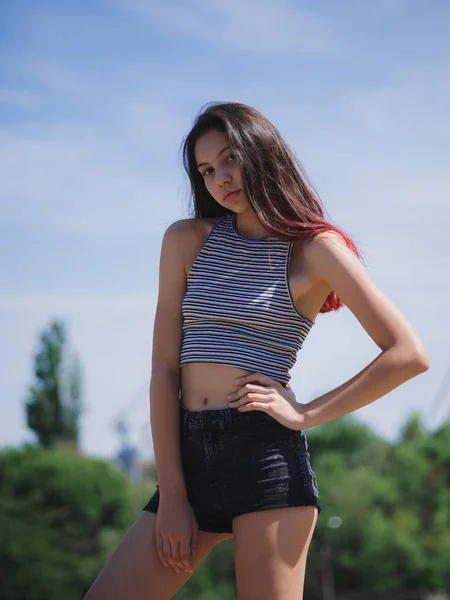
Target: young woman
(241, 285)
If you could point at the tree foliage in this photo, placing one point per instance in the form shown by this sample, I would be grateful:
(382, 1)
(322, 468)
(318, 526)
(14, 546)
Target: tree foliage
(394, 504)
(384, 531)
(53, 406)
(60, 516)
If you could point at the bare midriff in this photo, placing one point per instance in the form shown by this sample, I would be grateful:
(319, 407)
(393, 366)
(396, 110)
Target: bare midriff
(205, 386)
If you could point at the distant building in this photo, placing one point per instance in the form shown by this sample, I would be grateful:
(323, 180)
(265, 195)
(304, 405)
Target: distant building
(128, 457)
(128, 460)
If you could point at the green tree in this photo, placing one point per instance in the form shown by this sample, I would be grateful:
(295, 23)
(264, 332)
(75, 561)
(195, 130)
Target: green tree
(61, 515)
(53, 406)
(421, 466)
(385, 524)
(347, 457)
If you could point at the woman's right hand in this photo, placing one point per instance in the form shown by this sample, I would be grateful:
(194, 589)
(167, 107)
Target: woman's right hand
(176, 533)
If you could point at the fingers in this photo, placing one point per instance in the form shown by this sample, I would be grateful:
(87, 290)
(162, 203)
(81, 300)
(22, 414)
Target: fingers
(164, 550)
(188, 549)
(185, 555)
(175, 553)
(255, 382)
(160, 551)
(250, 397)
(249, 388)
(176, 562)
(167, 552)
(263, 406)
(194, 541)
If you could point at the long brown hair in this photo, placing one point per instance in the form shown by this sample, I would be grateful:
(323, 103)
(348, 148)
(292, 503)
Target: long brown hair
(285, 202)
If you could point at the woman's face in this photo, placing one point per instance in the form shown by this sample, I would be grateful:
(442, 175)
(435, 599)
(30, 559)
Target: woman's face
(220, 170)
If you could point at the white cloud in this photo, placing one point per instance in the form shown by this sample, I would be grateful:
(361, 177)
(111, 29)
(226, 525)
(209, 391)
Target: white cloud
(104, 163)
(256, 27)
(69, 178)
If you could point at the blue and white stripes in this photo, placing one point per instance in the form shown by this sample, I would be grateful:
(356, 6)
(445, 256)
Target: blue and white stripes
(238, 309)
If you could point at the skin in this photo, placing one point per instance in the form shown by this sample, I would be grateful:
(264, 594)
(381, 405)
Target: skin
(207, 385)
(270, 560)
(134, 570)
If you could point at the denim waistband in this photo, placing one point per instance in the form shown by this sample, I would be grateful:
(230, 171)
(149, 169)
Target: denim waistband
(226, 419)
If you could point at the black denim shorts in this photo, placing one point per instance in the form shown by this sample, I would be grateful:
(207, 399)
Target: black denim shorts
(240, 462)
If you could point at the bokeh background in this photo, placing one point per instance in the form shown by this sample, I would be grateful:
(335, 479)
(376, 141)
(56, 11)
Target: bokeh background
(95, 98)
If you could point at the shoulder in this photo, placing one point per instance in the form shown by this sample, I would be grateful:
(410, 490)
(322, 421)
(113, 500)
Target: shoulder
(187, 236)
(191, 227)
(184, 239)
(194, 229)
(329, 251)
(321, 245)
(327, 241)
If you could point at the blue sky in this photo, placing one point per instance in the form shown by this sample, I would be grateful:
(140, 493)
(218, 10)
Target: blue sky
(95, 98)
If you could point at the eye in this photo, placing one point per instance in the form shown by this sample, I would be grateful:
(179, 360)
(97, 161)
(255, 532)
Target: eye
(232, 156)
(206, 172)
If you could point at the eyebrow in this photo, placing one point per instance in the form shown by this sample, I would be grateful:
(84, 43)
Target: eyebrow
(221, 152)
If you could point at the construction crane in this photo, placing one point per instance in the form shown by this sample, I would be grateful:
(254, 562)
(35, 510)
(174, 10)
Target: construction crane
(128, 456)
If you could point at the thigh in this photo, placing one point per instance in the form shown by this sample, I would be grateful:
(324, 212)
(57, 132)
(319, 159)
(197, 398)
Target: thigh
(134, 570)
(270, 549)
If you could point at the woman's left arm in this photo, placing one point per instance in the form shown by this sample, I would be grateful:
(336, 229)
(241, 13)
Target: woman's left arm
(402, 356)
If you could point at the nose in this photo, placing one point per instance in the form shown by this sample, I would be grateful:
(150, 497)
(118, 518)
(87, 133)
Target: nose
(222, 176)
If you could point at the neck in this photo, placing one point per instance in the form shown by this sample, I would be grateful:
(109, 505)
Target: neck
(248, 225)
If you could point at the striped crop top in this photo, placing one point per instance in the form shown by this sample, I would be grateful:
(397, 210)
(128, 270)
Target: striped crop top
(238, 309)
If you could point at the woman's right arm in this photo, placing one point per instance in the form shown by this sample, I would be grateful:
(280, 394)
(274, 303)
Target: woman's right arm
(176, 525)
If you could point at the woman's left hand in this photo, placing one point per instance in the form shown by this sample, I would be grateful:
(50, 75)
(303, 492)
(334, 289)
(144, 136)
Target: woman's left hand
(259, 392)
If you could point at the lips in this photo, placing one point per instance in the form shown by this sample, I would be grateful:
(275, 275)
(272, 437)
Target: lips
(229, 193)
